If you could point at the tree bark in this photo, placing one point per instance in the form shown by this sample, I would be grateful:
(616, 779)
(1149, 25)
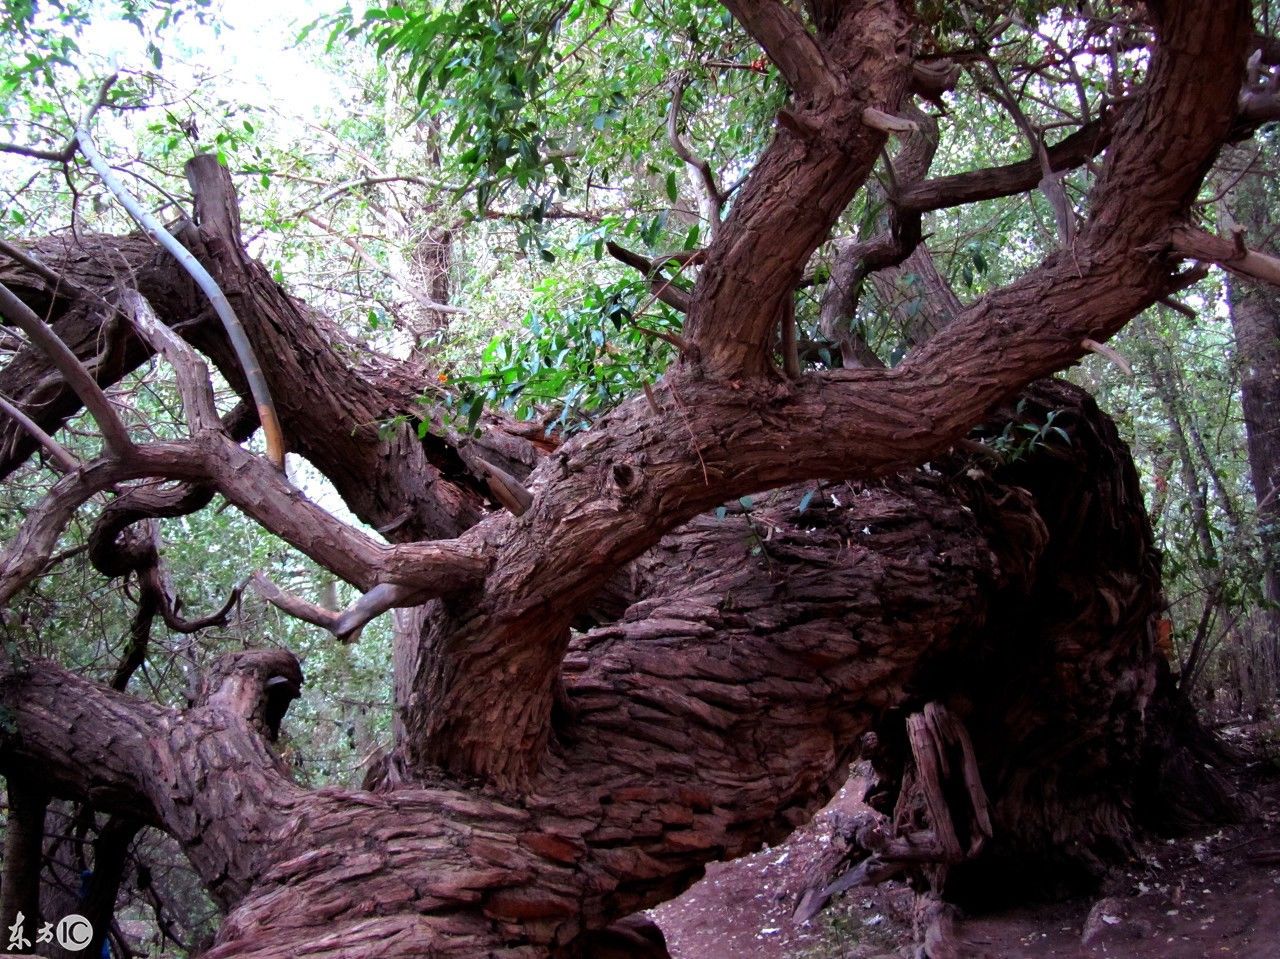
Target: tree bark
(23, 845)
(769, 627)
(1255, 319)
(545, 784)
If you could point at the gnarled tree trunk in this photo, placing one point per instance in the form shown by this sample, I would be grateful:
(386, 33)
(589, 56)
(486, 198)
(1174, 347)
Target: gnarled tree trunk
(718, 710)
(544, 784)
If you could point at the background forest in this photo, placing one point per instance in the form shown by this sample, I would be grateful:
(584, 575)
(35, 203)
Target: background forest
(508, 195)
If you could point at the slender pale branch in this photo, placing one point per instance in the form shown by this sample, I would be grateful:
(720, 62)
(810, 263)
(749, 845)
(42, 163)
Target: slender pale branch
(710, 199)
(1228, 254)
(192, 373)
(235, 330)
(887, 122)
(42, 335)
(1110, 353)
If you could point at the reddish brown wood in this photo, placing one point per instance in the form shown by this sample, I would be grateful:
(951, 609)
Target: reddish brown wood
(542, 786)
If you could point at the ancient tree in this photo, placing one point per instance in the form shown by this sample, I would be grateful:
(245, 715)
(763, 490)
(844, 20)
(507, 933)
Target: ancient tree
(600, 685)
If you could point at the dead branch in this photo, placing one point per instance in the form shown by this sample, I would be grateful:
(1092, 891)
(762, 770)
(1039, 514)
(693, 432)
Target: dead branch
(1050, 182)
(887, 122)
(506, 489)
(930, 79)
(1111, 353)
(231, 323)
(1230, 254)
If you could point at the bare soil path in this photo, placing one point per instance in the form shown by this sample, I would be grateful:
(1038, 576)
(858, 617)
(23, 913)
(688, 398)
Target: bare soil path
(1195, 897)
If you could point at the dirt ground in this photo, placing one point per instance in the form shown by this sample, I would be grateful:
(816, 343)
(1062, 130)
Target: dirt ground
(1194, 897)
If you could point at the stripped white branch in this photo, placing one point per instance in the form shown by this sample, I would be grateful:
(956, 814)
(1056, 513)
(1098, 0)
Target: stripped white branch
(887, 122)
(1110, 353)
(231, 323)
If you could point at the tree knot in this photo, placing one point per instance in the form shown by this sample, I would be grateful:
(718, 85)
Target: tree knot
(254, 685)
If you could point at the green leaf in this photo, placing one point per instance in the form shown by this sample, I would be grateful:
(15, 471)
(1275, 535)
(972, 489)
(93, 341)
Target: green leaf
(474, 413)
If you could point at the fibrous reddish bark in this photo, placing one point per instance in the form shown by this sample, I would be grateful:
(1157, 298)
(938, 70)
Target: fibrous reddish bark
(543, 785)
(767, 627)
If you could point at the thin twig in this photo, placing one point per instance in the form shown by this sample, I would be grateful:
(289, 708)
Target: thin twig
(68, 150)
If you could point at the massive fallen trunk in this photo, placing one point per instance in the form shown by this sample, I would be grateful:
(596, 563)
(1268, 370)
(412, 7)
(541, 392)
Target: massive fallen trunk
(713, 715)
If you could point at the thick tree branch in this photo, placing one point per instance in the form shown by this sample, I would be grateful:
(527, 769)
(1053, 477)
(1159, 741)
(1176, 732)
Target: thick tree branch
(261, 492)
(415, 488)
(823, 157)
(961, 188)
(204, 775)
(56, 281)
(23, 848)
(794, 51)
(710, 440)
(855, 261)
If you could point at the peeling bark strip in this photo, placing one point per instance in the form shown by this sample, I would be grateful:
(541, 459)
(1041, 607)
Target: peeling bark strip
(549, 787)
